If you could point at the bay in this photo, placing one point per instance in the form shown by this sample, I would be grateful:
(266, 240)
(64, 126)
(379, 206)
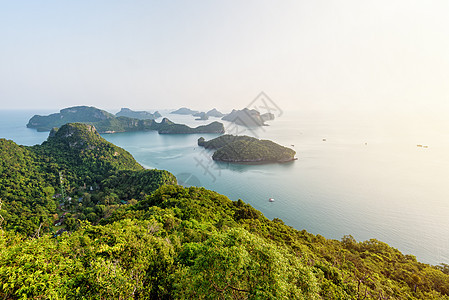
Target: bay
(368, 178)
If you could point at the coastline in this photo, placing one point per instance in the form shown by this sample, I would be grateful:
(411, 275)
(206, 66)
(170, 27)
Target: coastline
(256, 162)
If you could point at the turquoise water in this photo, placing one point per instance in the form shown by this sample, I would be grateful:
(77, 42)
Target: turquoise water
(368, 179)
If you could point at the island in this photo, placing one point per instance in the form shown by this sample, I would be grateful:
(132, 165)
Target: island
(202, 116)
(141, 115)
(248, 117)
(215, 113)
(69, 115)
(106, 122)
(168, 127)
(184, 111)
(245, 149)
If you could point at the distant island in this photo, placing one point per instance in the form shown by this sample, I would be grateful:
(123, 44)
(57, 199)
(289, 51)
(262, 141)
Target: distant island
(215, 113)
(248, 117)
(141, 115)
(83, 114)
(245, 149)
(184, 111)
(106, 122)
(168, 127)
(200, 114)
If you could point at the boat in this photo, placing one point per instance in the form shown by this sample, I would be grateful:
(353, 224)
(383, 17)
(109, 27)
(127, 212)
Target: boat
(271, 200)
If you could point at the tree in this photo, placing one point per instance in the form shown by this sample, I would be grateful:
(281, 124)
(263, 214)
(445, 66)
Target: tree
(239, 265)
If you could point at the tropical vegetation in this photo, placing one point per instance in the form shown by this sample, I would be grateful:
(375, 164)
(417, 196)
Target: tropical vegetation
(131, 233)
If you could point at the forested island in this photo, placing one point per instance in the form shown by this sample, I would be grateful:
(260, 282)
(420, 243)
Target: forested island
(81, 219)
(106, 122)
(245, 149)
(184, 111)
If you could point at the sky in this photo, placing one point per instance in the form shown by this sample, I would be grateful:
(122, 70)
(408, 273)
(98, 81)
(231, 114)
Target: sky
(383, 55)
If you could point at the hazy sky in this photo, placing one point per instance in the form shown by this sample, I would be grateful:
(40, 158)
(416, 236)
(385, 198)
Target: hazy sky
(379, 55)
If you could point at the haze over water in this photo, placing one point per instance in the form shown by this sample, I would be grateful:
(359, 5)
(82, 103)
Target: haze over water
(388, 188)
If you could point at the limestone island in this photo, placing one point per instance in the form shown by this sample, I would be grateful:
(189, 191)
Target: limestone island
(184, 111)
(106, 122)
(211, 113)
(215, 113)
(245, 149)
(248, 117)
(202, 116)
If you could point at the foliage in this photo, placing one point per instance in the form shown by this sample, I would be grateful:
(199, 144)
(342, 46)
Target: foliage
(25, 191)
(237, 265)
(128, 184)
(195, 243)
(87, 157)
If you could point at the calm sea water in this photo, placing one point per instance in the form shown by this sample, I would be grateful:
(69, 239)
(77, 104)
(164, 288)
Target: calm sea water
(368, 179)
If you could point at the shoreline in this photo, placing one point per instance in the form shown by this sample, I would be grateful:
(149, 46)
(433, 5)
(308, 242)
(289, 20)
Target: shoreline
(259, 162)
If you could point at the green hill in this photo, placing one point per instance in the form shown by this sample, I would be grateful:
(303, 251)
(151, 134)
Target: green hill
(30, 176)
(245, 149)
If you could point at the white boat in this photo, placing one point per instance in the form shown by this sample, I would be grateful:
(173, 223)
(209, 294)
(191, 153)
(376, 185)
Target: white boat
(271, 200)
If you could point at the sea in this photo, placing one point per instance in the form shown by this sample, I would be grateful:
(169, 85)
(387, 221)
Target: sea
(381, 176)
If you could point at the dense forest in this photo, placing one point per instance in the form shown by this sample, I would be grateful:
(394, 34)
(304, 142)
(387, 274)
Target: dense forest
(131, 233)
